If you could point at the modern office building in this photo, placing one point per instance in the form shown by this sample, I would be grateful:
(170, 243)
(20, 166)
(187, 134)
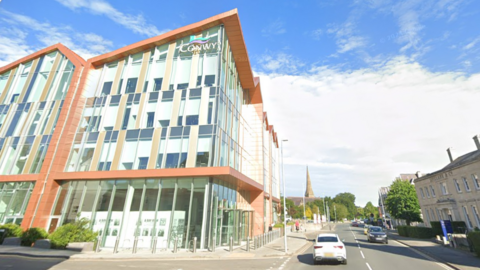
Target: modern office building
(163, 139)
(452, 192)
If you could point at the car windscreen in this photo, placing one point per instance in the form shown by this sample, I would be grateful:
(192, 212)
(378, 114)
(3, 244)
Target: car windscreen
(324, 239)
(375, 229)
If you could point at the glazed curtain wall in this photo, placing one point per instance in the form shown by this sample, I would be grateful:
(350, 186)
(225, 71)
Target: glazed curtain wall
(189, 101)
(14, 197)
(169, 209)
(31, 98)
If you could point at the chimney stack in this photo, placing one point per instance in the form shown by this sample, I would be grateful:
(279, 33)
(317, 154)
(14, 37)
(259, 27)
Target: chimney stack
(449, 151)
(477, 141)
(418, 174)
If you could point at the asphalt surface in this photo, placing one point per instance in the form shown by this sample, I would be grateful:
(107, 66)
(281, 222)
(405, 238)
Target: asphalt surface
(362, 255)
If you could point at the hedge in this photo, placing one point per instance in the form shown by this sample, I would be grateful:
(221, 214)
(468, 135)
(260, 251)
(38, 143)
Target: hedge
(13, 230)
(457, 226)
(33, 234)
(415, 232)
(474, 239)
(72, 232)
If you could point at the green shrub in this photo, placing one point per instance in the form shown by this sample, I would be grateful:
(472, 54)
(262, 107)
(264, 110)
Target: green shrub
(13, 230)
(415, 232)
(402, 231)
(436, 227)
(72, 232)
(420, 232)
(278, 225)
(457, 226)
(33, 234)
(474, 239)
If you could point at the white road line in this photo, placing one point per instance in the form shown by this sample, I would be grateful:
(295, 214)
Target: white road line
(362, 254)
(368, 265)
(359, 246)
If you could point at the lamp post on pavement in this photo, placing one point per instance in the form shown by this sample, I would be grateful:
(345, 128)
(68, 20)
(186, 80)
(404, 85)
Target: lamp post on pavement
(284, 205)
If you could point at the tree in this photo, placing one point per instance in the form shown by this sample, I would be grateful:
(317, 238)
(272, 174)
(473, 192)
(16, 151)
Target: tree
(369, 209)
(402, 201)
(348, 200)
(360, 213)
(308, 213)
(342, 211)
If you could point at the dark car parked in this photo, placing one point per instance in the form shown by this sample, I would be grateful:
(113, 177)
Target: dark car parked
(376, 234)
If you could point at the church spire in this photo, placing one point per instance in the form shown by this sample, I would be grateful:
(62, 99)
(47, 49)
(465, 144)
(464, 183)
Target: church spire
(309, 189)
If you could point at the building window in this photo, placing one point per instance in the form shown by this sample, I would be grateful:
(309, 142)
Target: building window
(465, 182)
(203, 151)
(427, 192)
(467, 217)
(475, 214)
(421, 192)
(432, 214)
(433, 191)
(475, 181)
(457, 186)
(443, 186)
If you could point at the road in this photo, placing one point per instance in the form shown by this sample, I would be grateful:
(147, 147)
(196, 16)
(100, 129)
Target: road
(363, 255)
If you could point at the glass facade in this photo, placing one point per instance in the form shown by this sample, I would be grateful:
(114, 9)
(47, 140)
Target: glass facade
(189, 95)
(31, 98)
(168, 209)
(14, 197)
(177, 105)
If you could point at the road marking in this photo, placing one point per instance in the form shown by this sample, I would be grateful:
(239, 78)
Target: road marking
(368, 265)
(359, 246)
(362, 254)
(444, 266)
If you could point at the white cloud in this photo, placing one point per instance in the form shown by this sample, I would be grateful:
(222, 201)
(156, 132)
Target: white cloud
(471, 44)
(276, 27)
(15, 46)
(280, 63)
(137, 23)
(12, 45)
(346, 38)
(363, 127)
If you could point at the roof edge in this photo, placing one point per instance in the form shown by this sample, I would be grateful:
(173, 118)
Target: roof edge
(71, 55)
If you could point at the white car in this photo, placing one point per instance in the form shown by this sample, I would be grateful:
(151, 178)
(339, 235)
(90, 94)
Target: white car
(328, 247)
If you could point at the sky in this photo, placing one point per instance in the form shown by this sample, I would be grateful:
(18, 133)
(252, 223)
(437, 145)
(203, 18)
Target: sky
(363, 90)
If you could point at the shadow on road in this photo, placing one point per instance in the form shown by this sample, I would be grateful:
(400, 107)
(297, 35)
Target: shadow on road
(396, 250)
(31, 263)
(308, 259)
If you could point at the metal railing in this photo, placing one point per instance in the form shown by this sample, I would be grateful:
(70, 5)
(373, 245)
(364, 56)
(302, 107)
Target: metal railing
(263, 239)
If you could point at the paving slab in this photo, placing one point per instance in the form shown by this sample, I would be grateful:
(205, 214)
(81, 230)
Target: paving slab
(296, 242)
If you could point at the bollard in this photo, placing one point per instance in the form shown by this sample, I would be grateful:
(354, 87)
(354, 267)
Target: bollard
(175, 245)
(248, 243)
(115, 248)
(194, 244)
(135, 243)
(154, 246)
(97, 248)
(231, 243)
(213, 244)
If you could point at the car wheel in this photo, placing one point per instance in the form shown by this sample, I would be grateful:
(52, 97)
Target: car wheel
(344, 262)
(368, 240)
(386, 242)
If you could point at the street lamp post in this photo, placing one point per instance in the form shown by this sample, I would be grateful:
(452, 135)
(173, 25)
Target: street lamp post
(284, 205)
(335, 210)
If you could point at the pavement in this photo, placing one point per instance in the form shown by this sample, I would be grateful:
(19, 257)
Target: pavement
(455, 258)
(296, 242)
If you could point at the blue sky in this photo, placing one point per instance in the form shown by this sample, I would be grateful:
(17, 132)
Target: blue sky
(363, 89)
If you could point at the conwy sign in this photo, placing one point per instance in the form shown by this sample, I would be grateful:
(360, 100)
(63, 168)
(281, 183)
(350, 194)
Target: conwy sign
(197, 45)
